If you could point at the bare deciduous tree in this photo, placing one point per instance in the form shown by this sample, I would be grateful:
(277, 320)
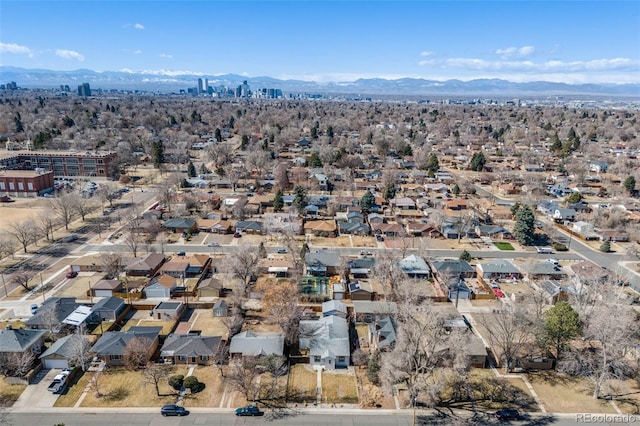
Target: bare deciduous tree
(136, 353)
(22, 278)
(243, 265)
(154, 374)
(63, 207)
(16, 364)
(24, 232)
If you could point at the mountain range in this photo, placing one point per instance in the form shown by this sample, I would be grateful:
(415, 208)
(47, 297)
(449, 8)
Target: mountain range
(166, 82)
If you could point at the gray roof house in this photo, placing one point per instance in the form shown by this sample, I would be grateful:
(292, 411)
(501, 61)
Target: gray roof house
(415, 267)
(327, 341)
(109, 308)
(20, 340)
(367, 311)
(382, 334)
(65, 352)
(454, 268)
(334, 307)
(249, 343)
(543, 269)
(52, 312)
(190, 349)
(499, 269)
(112, 345)
(322, 262)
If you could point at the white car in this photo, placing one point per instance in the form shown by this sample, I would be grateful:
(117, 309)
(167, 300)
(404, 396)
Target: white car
(213, 245)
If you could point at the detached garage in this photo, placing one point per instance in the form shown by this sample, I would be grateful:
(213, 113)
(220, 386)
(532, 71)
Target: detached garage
(65, 352)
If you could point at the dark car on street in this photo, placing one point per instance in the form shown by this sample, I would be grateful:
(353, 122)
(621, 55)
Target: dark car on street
(249, 410)
(173, 410)
(71, 274)
(507, 414)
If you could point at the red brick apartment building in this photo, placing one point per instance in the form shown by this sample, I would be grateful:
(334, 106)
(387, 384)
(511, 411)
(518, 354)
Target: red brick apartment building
(64, 164)
(25, 183)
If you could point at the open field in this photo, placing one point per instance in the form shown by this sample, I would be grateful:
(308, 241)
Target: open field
(562, 394)
(302, 384)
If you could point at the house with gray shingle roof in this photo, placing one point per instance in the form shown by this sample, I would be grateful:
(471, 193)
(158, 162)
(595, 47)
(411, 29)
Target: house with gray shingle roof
(179, 224)
(51, 314)
(498, 269)
(382, 334)
(20, 340)
(191, 349)
(249, 343)
(415, 267)
(327, 341)
(454, 268)
(66, 352)
(112, 345)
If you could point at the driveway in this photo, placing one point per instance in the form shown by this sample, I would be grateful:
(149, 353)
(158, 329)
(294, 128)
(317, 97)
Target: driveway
(36, 394)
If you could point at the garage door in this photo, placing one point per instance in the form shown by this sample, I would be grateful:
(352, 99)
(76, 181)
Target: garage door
(56, 363)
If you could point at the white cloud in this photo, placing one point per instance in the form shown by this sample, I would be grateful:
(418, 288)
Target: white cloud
(69, 54)
(515, 52)
(169, 73)
(425, 53)
(138, 26)
(427, 62)
(16, 49)
(166, 55)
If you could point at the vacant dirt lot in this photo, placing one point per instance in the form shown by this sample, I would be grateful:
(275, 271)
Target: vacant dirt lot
(19, 211)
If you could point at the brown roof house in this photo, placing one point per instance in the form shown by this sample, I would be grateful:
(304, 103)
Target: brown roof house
(191, 349)
(146, 266)
(161, 287)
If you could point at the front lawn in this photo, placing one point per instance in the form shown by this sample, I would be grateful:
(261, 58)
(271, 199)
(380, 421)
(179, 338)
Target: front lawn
(9, 393)
(302, 384)
(214, 386)
(503, 246)
(339, 388)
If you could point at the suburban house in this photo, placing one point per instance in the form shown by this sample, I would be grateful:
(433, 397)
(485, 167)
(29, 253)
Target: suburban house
(352, 224)
(544, 270)
(65, 352)
(498, 269)
(52, 313)
(554, 292)
(18, 341)
(146, 266)
(361, 290)
(494, 232)
(106, 288)
(564, 214)
(215, 226)
(322, 263)
(415, 267)
(589, 272)
(109, 308)
(198, 264)
(327, 341)
(321, 228)
(161, 287)
(113, 346)
(613, 235)
(177, 267)
(381, 334)
(210, 287)
(585, 229)
(179, 225)
(366, 311)
(453, 268)
(252, 344)
(168, 311)
(403, 203)
(89, 263)
(457, 289)
(420, 229)
(190, 349)
(390, 230)
(361, 267)
(250, 227)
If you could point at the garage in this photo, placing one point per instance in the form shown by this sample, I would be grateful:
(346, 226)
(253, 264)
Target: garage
(52, 363)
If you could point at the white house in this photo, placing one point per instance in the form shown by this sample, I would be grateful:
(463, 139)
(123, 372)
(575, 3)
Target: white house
(327, 341)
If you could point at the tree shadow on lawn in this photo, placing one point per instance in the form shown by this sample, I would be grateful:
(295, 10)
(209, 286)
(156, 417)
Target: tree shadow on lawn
(117, 394)
(552, 378)
(449, 418)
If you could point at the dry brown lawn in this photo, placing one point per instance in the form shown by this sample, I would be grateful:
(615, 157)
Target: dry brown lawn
(626, 395)
(214, 386)
(359, 241)
(73, 391)
(302, 384)
(339, 387)
(125, 388)
(9, 393)
(79, 287)
(372, 395)
(562, 394)
(208, 324)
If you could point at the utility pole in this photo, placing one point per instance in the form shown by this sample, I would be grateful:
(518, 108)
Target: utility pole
(6, 294)
(44, 299)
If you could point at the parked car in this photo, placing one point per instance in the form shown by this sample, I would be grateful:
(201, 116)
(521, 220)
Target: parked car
(379, 238)
(249, 410)
(282, 251)
(173, 410)
(72, 274)
(34, 308)
(213, 245)
(499, 293)
(59, 382)
(181, 253)
(366, 253)
(237, 235)
(507, 414)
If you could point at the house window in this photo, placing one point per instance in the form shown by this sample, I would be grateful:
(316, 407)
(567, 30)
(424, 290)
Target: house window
(115, 357)
(316, 358)
(204, 358)
(182, 358)
(12, 186)
(20, 186)
(30, 186)
(340, 359)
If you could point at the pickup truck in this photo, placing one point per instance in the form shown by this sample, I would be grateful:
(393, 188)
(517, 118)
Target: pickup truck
(59, 382)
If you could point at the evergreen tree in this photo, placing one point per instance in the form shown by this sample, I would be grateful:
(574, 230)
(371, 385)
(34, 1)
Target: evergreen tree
(389, 192)
(433, 164)
(524, 229)
(630, 184)
(314, 160)
(262, 252)
(575, 197)
(373, 369)
(465, 255)
(300, 200)
(278, 202)
(605, 247)
(556, 145)
(330, 131)
(455, 190)
(367, 202)
(218, 134)
(203, 169)
(478, 161)
(514, 209)
(561, 325)
(304, 250)
(191, 169)
(244, 143)
(157, 153)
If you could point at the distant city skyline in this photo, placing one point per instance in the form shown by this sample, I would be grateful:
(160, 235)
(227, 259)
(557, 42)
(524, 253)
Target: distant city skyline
(571, 42)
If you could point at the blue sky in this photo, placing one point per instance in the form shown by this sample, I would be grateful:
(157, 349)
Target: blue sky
(563, 41)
